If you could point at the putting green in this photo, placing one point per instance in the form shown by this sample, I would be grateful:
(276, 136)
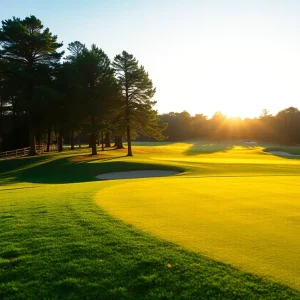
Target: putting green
(241, 207)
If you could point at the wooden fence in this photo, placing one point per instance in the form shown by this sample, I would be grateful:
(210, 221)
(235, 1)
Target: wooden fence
(23, 152)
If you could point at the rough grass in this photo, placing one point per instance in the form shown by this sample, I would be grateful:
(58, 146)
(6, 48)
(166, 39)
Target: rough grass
(56, 243)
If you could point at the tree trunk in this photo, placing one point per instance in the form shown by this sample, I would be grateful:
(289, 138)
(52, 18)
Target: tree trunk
(38, 139)
(1, 141)
(60, 142)
(119, 142)
(129, 153)
(79, 141)
(48, 138)
(107, 139)
(93, 137)
(32, 141)
(90, 141)
(102, 141)
(1, 133)
(72, 140)
(32, 151)
(94, 144)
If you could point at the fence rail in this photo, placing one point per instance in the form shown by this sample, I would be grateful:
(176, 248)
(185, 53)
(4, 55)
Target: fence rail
(23, 152)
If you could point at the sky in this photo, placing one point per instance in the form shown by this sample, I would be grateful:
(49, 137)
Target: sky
(237, 57)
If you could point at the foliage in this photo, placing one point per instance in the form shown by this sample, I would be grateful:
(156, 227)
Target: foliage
(283, 127)
(137, 90)
(28, 53)
(98, 85)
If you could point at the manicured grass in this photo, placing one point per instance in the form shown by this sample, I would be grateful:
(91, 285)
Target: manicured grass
(287, 149)
(251, 223)
(57, 242)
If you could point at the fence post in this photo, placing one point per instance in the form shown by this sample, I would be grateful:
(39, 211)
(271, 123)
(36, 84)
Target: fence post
(17, 152)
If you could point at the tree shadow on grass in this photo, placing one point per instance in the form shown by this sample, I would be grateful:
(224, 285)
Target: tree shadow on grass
(151, 144)
(65, 170)
(19, 163)
(210, 147)
(288, 152)
(291, 157)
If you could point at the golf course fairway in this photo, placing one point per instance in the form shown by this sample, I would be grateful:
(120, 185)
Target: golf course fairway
(250, 223)
(247, 216)
(226, 226)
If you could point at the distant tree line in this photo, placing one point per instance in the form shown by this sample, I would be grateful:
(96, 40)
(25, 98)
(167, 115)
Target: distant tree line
(284, 127)
(46, 97)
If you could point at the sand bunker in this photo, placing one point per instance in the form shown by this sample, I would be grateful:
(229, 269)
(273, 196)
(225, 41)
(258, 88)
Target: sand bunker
(137, 174)
(281, 153)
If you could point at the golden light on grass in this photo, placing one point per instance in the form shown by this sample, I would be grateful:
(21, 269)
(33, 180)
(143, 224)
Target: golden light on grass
(242, 210)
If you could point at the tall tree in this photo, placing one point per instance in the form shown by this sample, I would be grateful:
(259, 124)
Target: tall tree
(25, 48)
(12, 99)
(98, 87)
(137, 89)
(69, 111)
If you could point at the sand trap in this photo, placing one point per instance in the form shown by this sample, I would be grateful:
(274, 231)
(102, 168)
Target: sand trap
(281, 153)
(137, 174)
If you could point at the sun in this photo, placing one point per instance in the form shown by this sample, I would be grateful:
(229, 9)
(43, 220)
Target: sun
(238, 112)
(235, 115)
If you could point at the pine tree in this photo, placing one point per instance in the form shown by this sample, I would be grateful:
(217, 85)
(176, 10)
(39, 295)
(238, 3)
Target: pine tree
(26, 48)
(137, 90)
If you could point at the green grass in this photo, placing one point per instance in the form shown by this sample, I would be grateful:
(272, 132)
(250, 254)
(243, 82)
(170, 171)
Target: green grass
(65, 235)
(288, 149)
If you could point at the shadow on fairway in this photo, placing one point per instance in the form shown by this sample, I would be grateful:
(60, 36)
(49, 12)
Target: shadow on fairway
(19, 163)
(210, 147)
(283, 156)
(294, 151)
(151, 144)
(66, 170)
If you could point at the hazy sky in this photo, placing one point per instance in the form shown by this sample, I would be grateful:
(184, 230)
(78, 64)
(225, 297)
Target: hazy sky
(234, 56)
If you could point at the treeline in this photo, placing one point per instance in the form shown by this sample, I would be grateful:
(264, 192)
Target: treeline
(45, 95)
(48, 97)
(283, 128)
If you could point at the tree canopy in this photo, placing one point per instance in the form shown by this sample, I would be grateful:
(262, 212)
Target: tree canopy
(83, 94)
(137, 91)
(29, 53)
